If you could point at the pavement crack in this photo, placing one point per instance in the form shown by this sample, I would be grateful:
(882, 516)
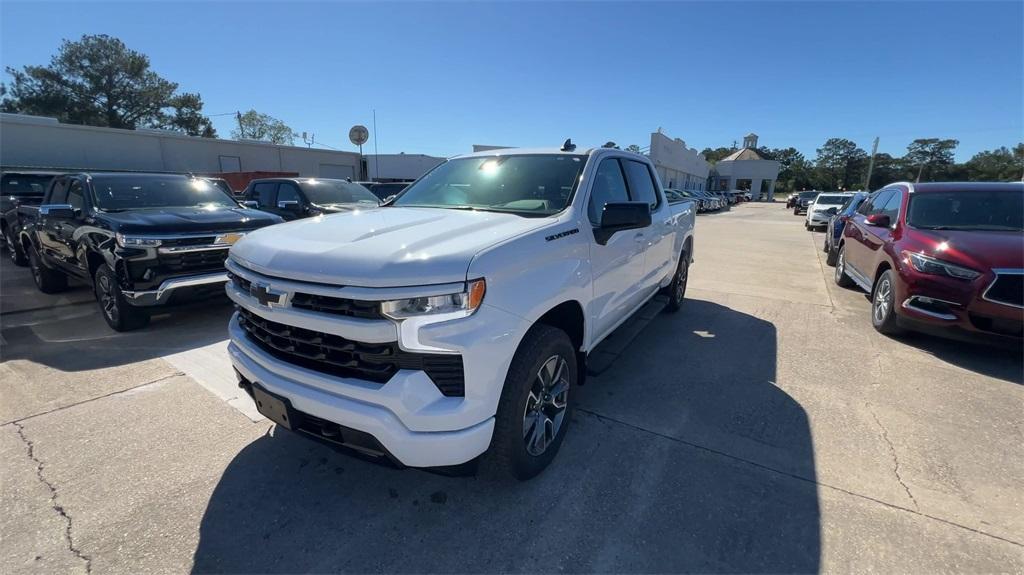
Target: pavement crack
(795, 476)
(59, 509)
(895, 459)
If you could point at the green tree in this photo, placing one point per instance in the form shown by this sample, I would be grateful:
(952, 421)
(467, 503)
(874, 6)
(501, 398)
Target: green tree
(253, 125)
(633, 148)
(713, 155)
(930, 157)
(840, 164)
(887, 169)
(998, 165)
(99, 81)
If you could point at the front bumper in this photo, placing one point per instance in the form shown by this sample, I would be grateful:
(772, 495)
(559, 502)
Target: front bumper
(167, 288)
(818, 219)
(407, 413)
(937, 303)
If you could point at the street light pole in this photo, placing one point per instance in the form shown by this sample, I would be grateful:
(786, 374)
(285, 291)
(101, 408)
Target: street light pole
(871, 166)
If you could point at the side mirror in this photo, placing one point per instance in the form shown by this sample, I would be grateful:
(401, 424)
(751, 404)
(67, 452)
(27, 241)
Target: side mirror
(290, 205)
(620, 216)
(832, 211)
(57, 211)
(251, 204)
(878, 220)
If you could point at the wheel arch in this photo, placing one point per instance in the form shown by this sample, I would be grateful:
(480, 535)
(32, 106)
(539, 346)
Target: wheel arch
(882, 267)
(567, 316)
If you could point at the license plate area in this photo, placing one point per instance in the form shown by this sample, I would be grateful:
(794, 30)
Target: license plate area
(272, 407)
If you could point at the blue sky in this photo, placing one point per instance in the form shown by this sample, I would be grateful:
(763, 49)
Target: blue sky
(443, 76)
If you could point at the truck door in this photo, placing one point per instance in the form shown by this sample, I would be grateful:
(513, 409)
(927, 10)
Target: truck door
(48, 228)
(617, 266)
(659, 238)
(68, 230)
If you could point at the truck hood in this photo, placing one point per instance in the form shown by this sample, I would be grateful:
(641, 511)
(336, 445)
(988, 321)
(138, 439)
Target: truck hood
(977, 250)
(168, 221)
(380, 247)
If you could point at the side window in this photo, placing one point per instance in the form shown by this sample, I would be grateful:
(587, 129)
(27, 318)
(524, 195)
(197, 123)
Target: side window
(880, 200)
(865, 207)
(75, 196)
(892, 206)
(609, 186)
(288, 193)
(59, 194)
(263, 193)
(641, 183)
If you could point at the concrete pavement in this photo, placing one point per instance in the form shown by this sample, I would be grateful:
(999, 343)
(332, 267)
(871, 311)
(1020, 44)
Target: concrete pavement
(764, 428)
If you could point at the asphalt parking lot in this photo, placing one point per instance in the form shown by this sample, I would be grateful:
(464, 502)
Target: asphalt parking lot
(764, 428)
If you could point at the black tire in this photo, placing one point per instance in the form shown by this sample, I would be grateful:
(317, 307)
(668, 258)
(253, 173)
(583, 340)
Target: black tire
(842, 280)
(807, 226)
(883, 305)
(115, 309)
(796, 212)
(47, 280)
(833, 255)
(512, 430)
(824, 244)
(14, 250)
(676, 291)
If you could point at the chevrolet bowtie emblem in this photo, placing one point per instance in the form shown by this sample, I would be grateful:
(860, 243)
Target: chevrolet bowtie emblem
(228, 239)
(264, 294)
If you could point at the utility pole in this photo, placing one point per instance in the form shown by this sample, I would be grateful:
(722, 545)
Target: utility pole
(919, 170)
(376, 156)
(871, 166)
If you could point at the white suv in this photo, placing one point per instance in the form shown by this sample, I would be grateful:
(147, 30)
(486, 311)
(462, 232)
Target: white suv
(821, 210)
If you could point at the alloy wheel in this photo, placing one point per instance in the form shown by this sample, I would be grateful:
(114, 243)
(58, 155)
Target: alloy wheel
(840, 265)
(545, 406)
(37, 274)
(681, 277)
(883, 300)
(108, 299)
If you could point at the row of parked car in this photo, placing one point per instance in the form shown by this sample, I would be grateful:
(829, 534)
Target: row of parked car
(144, 240)
(935, 257)
(709, 201)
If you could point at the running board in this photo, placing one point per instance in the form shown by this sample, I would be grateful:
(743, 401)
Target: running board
(605, 354)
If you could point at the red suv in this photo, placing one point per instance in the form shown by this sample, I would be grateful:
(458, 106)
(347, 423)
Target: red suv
(939, 255)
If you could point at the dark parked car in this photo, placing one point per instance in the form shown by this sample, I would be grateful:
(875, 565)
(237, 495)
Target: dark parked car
(19, 188)
(140, 240)
(835, 226)
(939, 255)
(293, 198)
(803, 199)
(384, 190)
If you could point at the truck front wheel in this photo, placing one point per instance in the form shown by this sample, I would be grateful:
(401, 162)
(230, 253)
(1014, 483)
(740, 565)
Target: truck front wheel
(47, 280)
(117, 312)
(536, 403)
(13, 249)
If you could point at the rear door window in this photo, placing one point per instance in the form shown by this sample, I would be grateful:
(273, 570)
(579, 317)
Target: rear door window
(75, 196)
(288, 193)
(641, 183)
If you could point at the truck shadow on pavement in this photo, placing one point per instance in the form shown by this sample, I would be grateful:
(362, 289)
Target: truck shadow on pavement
(76, 338)
(683, 456)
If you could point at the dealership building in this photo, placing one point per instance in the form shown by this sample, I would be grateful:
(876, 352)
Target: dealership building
(38, 142)
(746, 170)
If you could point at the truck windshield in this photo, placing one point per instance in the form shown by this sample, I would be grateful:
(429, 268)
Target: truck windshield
(25, 184)
(827, 200)
(115, 193)
(327, 192)
(541, 184)
(1001, 210)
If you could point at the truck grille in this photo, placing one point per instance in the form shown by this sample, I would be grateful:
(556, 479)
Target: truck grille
(334, 355)
(324, 304)
(194, 261)
(1007, 289)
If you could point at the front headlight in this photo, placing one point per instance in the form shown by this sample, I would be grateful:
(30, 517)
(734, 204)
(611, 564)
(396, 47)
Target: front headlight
(930, 265)
(136, 241)
(460, 304)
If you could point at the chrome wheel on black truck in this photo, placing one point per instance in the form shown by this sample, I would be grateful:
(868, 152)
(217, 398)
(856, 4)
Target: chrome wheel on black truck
(536, 403)
(14, 250)
(47, 280)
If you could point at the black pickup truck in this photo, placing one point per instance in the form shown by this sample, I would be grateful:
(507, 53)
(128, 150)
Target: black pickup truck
(141, 240)
(19, 188)
(293, 198)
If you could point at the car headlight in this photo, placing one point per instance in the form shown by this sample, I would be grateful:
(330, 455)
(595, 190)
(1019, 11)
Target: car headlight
(930, 265)
(136, 241)
(459, 304)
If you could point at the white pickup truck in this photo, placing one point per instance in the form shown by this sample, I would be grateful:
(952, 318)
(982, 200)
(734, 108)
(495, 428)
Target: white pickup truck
(457, 318)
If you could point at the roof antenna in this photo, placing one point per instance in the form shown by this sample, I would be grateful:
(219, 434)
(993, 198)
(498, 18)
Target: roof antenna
(568, 146)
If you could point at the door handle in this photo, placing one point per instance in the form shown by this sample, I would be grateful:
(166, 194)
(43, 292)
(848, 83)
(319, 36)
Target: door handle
(639, 237)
